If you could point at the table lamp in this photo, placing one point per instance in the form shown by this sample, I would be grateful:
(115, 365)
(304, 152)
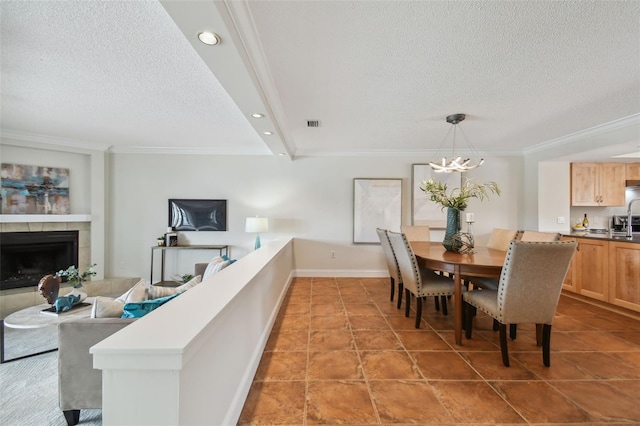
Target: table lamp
(257, 225)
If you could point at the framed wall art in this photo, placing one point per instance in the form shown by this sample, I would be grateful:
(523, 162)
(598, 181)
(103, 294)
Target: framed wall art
(34, 189)
(198, 215)
(377, 203)
(423, 210)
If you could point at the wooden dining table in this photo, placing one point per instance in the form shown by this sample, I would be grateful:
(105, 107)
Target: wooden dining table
(483, 262)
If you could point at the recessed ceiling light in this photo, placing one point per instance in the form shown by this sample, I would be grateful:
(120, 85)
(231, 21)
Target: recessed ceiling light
(257, 115)
(209, 38)
(282, 154)
(268, 133)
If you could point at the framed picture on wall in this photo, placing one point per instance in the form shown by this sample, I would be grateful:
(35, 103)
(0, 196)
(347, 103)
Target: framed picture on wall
(198, 215)
(377, 203)
(423, 210)
(27, 189)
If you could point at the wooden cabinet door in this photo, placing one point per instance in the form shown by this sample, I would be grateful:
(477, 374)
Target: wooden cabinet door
(592, 275)
(632, 171)
(624, 275)
(598, 184)
(584, 184)
(611, 184)
(569, 281)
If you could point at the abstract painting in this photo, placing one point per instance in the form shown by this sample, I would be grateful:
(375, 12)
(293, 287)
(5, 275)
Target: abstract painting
(377, 203)
(34, 189)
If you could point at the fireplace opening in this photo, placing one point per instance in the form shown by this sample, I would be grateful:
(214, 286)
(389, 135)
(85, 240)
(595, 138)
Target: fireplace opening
(25, 257)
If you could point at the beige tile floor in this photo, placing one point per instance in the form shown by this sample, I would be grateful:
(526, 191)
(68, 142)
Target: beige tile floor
(341, 353)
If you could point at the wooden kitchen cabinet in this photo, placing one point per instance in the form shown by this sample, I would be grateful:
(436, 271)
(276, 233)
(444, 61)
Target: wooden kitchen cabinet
(569, 282)
(589, 271)
(598, 184)
(624, 275)
(632, 171)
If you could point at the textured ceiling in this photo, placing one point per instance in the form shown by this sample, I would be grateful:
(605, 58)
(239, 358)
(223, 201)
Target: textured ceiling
(379, 76)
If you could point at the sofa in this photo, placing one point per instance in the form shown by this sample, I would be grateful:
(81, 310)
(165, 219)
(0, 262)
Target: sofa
(79, 384)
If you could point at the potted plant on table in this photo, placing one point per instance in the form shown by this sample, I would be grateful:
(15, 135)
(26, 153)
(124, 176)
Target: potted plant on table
(456, 201)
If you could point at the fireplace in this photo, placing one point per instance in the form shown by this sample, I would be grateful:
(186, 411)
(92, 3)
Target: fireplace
(25, 257)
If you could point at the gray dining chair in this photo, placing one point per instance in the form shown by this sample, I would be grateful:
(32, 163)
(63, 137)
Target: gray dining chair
(423, 233)
(392, 264)
(417, 281)
(498, 240)
(528, 291)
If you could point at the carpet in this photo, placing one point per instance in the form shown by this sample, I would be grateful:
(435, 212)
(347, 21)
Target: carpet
(29, 386)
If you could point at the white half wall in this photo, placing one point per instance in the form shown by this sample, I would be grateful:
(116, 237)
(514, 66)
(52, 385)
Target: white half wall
(192, 361)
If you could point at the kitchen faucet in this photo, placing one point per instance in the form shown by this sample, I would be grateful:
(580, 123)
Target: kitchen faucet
(629, 233)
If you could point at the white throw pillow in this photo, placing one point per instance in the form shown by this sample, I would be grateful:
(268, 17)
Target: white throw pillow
(107, 307)
(212, 267)
(155, 291)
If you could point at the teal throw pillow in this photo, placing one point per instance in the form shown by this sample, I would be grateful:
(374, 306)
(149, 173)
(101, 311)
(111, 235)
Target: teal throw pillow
(226, 258)
(140, 309)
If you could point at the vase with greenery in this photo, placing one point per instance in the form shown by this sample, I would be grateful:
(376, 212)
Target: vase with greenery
(456, 201)
(74, 277)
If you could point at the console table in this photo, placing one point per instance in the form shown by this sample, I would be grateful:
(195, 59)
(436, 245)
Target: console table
(222, 250)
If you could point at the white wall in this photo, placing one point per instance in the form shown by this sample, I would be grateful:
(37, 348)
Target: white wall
(554, 199)
(309, 198)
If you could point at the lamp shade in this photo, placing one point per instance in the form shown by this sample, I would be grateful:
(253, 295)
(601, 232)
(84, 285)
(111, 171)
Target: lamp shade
(257, 224)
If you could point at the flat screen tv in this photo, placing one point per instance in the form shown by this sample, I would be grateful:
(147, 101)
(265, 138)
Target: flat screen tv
(198, 215)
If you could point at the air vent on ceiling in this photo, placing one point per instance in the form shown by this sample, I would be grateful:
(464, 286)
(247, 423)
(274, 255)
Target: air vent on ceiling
(313, 123)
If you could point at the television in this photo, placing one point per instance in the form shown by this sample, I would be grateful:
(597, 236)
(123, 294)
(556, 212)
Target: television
(198, 215)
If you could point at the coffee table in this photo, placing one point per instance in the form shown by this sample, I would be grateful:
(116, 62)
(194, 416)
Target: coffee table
(32, 317)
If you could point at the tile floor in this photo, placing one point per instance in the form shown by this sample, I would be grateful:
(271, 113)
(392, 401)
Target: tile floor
(341, 353)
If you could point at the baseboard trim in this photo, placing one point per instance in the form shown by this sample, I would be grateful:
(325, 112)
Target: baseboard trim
(341, 273)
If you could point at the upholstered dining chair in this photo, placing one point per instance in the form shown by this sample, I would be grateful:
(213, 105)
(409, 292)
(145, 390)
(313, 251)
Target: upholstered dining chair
(416, 232)
(498, 240)
(528, 291)
(392, 264)
(423, 233)
(540, 236)
(417, 281)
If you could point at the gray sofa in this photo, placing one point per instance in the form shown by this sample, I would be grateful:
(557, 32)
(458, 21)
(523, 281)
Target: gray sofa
(79, 384)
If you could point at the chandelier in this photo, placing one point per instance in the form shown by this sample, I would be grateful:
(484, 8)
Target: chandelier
(456, 163)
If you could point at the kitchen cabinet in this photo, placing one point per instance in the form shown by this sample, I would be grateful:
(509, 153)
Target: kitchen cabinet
(598, 184)
(592, 272)
(589, 271)
(632, 171)
(624, 274)
(569, 282)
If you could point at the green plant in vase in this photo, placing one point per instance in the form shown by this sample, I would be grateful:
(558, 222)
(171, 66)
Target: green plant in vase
(74, 277)
(456, 201)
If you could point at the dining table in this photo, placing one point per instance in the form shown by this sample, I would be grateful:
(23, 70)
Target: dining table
(480, 262)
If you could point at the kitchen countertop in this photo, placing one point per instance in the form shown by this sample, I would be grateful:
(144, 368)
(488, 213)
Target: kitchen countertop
(606, 236)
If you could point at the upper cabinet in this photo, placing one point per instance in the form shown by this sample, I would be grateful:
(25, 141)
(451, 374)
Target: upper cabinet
(632, 171)
(597, 184)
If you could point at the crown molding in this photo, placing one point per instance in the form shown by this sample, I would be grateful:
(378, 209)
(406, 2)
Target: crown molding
(622, 123)
(35, 140)
(426, 153)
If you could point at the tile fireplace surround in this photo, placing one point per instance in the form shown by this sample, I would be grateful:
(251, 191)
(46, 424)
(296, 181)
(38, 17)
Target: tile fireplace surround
(15, 299)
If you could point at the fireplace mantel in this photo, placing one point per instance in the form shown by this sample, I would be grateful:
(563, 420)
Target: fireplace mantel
(38, 218)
